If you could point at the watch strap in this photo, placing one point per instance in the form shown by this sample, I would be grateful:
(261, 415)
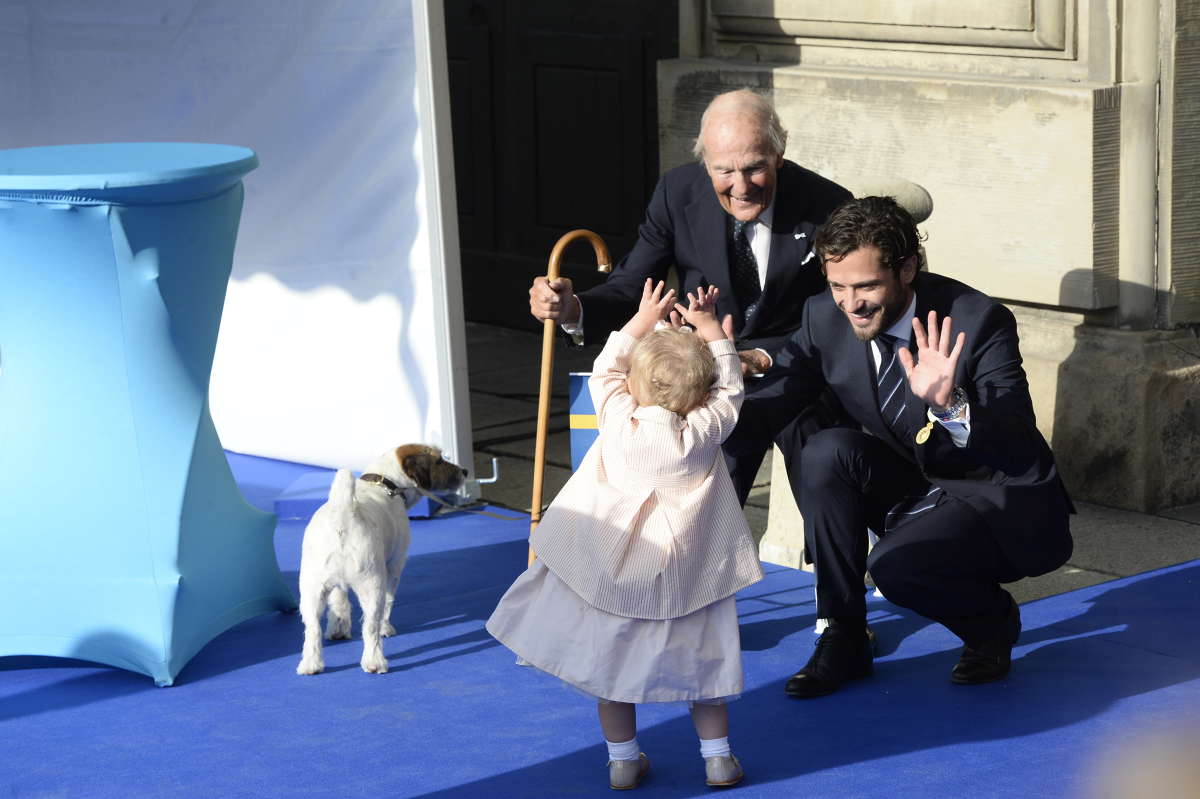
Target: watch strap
(958, 401)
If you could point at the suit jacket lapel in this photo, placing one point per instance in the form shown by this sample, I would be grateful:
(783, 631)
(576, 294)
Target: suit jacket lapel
(914, 416)
(867, 378)
(709, 226)
(791, 243)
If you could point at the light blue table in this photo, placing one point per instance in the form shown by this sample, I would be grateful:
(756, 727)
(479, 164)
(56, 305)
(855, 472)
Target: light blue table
(123, 537)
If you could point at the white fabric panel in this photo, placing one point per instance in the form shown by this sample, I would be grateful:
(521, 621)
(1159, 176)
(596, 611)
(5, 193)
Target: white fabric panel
(324, 355)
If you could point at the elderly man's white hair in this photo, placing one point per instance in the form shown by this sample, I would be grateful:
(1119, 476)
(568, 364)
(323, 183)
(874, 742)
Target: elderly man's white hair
(750, 103)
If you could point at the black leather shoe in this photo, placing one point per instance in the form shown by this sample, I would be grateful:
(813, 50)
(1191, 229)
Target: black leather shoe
(844, 652)
(992, 659)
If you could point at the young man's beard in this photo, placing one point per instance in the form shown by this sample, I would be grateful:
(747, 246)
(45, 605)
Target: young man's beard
(885, 318)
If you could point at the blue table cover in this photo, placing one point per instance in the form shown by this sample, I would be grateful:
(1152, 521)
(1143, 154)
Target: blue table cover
(123, 537)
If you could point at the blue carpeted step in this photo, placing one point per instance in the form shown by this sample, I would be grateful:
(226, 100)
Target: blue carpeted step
(1098, 668)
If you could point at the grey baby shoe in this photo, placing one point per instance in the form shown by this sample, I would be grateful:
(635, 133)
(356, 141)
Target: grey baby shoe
(626, 774)
(723, 771)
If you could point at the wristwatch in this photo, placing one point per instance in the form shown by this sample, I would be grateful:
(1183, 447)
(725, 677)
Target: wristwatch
(958, 403)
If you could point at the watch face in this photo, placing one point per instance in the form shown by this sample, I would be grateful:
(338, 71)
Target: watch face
(958, 401)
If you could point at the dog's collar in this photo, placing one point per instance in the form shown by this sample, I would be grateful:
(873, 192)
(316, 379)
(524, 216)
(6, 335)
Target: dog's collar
(384, 483)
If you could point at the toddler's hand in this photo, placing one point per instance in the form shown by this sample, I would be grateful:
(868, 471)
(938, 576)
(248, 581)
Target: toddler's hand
(655, 303)
(701, 313)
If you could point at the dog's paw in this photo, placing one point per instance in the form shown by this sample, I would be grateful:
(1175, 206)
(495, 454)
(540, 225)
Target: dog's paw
(377, 665)
(311, 666)
(386, 629)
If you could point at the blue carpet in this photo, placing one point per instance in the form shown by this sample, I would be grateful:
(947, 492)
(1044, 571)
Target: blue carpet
(455, 718)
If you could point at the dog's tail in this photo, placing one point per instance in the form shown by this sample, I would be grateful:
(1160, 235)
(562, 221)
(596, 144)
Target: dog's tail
(341, 499)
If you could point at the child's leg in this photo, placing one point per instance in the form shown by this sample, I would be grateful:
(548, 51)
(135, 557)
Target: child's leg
(618, 720)
(626, 764)
(721, 768)
(712, 721)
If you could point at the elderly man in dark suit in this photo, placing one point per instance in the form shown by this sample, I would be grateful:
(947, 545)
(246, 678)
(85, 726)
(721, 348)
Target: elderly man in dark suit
(948, 466)
(742, 218)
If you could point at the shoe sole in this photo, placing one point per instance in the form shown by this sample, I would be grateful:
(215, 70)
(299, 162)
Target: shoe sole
(728, 784)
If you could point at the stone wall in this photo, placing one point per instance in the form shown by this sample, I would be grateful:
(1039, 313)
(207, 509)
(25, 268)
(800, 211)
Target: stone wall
(1010, 168)
(1059, 145)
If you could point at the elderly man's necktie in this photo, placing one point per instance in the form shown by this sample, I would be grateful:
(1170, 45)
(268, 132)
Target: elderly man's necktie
(743, 272)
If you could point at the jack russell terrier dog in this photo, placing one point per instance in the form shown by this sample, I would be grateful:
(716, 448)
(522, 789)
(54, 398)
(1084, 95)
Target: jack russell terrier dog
(358, 540)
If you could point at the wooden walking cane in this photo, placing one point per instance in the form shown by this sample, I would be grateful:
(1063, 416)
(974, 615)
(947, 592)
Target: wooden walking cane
(603, 264)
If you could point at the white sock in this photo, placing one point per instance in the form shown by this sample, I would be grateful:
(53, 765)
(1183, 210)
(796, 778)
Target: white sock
(714, 747)
(627, 750)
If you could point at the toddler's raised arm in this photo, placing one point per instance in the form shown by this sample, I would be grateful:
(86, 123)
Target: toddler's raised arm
(712, 422)
(608, 384)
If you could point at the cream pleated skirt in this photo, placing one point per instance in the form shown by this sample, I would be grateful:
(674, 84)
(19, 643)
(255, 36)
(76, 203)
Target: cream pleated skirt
(693, 658)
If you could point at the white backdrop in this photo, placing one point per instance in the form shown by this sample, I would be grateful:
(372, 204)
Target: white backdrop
(342, 333)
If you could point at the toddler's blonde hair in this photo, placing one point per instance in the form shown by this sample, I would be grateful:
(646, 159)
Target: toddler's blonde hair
(671, 368)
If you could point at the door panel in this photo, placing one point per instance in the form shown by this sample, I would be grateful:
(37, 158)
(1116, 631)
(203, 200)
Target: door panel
(554, 128)
(471, 120)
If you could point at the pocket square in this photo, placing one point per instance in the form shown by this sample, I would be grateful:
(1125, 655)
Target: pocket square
(800, 235)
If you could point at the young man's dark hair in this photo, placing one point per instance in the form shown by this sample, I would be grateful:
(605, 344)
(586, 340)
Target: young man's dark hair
(869, 221)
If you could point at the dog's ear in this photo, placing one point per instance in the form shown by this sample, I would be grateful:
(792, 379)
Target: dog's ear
(418, 466)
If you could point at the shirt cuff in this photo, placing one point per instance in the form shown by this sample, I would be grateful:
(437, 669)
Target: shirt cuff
(959, 429)
(575, 330)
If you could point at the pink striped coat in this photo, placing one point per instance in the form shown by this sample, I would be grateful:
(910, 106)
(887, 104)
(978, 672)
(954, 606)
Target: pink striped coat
(649, 527)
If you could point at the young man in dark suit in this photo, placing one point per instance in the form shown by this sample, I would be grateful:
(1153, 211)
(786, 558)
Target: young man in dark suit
(742, 218)
(948, 467)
